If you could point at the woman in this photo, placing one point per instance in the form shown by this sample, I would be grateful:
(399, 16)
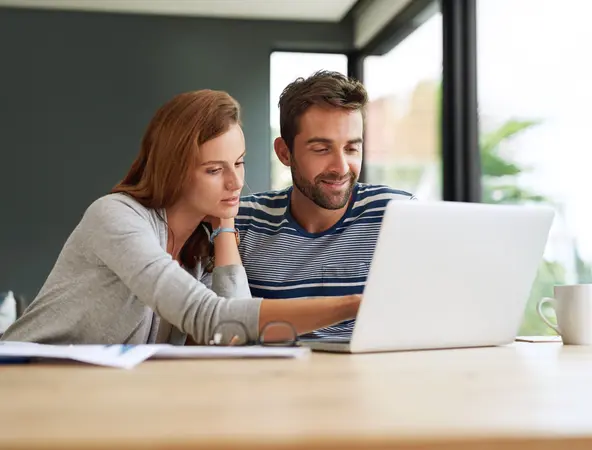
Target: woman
(135, 269)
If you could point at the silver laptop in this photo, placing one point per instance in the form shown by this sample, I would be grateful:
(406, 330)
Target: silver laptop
(447, 275)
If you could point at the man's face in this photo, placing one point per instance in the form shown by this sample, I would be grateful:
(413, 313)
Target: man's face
(327, 155)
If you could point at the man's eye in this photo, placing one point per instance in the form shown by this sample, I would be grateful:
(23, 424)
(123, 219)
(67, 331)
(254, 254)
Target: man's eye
(320, 150)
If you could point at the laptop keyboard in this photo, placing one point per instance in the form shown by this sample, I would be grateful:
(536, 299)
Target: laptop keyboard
(340, 333)
(337, 339)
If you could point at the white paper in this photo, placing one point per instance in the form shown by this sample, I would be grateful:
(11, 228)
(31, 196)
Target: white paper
(122, 356)
(255, 351)
(129, 356)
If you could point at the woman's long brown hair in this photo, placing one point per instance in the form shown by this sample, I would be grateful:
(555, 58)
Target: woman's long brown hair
(169, 151)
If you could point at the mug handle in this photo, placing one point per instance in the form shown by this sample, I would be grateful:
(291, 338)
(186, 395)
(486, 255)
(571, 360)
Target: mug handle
(542, 315)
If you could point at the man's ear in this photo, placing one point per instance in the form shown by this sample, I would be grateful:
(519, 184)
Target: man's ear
(282, 151)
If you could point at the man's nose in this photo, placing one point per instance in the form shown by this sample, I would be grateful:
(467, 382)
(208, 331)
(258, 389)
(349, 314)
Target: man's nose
(339, 163)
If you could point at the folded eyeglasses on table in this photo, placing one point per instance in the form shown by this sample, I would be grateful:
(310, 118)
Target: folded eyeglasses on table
(234, 332)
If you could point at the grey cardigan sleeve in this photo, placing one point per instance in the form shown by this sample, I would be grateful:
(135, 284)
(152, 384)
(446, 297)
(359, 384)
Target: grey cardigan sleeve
(228, 281)
(122, 237)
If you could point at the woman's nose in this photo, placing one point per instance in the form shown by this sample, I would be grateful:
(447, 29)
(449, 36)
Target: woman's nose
(234, 180)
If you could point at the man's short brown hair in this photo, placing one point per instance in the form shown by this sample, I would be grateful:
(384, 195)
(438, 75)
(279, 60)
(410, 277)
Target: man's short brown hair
(324, 89)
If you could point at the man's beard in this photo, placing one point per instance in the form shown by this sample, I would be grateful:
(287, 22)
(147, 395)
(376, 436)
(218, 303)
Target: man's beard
(314, 191)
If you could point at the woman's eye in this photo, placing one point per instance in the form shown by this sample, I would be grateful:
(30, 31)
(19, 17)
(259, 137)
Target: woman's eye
(213, 171)
(239, 163)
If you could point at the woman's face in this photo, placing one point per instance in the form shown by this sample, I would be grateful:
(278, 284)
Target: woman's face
(215, 183)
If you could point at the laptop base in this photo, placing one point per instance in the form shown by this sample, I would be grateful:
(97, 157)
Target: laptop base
(327, 346)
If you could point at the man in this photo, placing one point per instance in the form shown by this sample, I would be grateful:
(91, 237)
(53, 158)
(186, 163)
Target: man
(317, 237)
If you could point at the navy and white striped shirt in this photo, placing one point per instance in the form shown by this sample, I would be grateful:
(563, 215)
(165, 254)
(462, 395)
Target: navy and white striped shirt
(283, 260)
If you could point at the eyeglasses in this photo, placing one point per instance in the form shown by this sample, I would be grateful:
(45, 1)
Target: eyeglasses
(234, 332)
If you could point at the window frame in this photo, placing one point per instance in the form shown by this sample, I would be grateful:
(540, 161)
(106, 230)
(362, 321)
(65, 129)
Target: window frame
(461, 162)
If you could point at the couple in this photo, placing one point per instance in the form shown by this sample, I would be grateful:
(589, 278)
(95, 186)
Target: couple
(160, 259)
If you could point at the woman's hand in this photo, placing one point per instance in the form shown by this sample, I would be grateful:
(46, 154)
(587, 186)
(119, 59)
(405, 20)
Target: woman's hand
(225, 244)
(307, 314)
(216, 222)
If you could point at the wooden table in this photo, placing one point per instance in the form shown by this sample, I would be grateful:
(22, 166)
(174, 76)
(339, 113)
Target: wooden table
(524, 396)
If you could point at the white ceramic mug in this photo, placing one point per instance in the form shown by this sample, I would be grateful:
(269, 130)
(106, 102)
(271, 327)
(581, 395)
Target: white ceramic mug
(573, 307)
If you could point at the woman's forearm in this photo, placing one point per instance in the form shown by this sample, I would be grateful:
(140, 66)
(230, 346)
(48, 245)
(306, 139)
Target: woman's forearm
(225, 246)
(307, 314)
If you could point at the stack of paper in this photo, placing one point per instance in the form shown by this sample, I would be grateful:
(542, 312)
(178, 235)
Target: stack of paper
(128, 356)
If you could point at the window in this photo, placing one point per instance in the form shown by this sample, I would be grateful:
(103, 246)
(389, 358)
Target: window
(285, 68)
(534, 98)
(402, 142)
